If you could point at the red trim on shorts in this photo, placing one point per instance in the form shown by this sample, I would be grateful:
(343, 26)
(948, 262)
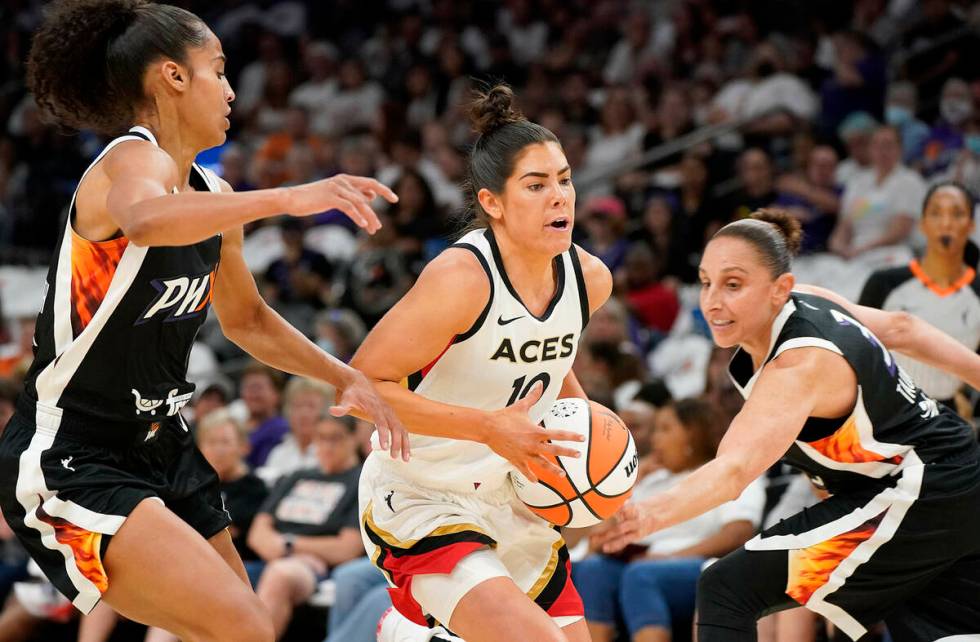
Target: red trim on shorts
(401, 569)
(569, 602)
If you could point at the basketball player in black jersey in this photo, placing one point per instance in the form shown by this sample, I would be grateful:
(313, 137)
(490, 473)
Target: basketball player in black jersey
(99, 476)
(899, 538)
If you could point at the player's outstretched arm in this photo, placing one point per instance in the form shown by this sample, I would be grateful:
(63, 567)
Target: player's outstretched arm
(789, 389)
(910, 335)
(446, 301)
(250, 323)
(142, 203)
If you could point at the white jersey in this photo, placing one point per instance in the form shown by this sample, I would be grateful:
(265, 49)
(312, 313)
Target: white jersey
(493, 364)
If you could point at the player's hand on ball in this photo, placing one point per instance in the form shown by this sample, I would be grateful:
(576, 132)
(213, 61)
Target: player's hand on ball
(631, 523)
(359, 395)
(525, 444)
(350, 194)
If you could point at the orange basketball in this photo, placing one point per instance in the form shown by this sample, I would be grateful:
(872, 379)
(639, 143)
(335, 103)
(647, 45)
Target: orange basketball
(595, 484)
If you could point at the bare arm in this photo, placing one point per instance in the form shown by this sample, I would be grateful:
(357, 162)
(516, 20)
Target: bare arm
(264, 539)
(897, 231)
(727, 539)
(840, 239)
(332, 549)
(140, 199)
(251, 324)
(798, 384)
(910, 335)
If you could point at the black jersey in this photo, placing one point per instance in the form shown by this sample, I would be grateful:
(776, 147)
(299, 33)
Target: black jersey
(893, 426)
(114, 336)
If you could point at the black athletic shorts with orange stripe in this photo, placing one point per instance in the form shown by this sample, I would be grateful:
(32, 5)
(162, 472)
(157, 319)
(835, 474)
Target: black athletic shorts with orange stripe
(907, 554)
(67, 485)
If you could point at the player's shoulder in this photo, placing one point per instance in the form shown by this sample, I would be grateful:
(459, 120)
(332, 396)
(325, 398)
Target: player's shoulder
(460, 268)
(140, 156)
(598, 279)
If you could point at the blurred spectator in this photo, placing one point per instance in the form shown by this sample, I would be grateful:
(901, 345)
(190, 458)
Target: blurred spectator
(639, 416)
(604, 219)
(418, 220)
(935, 49)
(270, 113)
(378, 275)
(618, 136)
(879, 204)
(252, 80)
(223, 443)
(306, 403)
(276, 147)
(527, 35)
(213, 397)
(813, 197)
(966, 168)
(858, 83)
(339, 332)
(361, 598)
(357, 105)
(301, 275)
(901, 105)
(672, 236)
(856, 132)
(260, 391)
(653, 302)
(636, 53)
(672, 120)
(946, 137)
(234, 167)
(757, 189)
(308, 524)
(313, 95)
(652, 585)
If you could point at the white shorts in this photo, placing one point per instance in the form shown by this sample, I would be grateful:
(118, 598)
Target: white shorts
(434, 546)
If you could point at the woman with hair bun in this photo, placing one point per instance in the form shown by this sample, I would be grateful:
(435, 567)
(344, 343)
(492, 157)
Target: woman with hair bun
(471, 359)
(899, 538)
(99, 475)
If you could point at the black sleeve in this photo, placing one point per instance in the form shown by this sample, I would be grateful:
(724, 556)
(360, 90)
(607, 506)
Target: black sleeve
(880, 284)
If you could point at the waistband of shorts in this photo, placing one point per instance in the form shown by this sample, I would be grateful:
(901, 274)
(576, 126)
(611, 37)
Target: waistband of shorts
(64, 424)
(381, 467)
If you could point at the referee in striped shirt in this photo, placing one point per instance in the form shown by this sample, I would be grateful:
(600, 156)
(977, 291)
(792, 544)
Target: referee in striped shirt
(941, 288)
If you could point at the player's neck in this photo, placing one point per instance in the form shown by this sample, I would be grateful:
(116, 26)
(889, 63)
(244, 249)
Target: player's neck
(532, 274)
(943, 269)
(172, 139)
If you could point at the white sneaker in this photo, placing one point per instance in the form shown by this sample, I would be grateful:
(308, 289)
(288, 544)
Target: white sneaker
(395, 627)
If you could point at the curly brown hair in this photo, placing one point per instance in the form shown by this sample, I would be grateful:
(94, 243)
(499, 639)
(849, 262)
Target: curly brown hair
(87, 60)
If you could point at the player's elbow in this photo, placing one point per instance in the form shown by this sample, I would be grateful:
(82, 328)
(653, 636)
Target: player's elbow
(243, 323)
(901, 331)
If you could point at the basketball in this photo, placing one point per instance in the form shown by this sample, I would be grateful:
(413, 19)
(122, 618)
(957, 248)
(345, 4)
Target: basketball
(598, 482)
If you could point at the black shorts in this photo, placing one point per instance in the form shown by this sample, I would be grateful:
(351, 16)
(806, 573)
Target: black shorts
(66, 488)
(908, 555)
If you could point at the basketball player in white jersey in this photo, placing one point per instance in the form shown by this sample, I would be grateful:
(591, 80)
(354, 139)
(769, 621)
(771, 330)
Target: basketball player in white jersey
(471, 359)
(99, 477)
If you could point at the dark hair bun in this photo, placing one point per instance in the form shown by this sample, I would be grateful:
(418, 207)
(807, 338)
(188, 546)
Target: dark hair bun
(68, 54)
(787, 225)
(493, 109)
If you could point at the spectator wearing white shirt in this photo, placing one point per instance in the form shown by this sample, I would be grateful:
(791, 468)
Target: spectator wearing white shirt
(306, 402)
(315, 94)
(879, 205)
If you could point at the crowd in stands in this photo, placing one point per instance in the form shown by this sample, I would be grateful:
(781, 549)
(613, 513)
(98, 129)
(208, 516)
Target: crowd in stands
(841, 112)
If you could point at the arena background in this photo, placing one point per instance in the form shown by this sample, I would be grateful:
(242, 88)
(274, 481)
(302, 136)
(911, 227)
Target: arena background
(676, 116)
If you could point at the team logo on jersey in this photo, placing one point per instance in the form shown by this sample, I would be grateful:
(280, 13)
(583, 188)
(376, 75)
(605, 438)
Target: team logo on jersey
(150, 406)
(533, 351)
(180, 298)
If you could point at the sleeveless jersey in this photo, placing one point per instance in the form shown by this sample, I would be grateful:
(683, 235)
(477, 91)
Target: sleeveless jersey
(954, 310)
(493, 364)
(114, 335)
(894, 425)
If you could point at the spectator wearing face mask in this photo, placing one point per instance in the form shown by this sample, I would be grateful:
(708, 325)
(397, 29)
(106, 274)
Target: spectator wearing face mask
(946, 138)
(900, 112)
